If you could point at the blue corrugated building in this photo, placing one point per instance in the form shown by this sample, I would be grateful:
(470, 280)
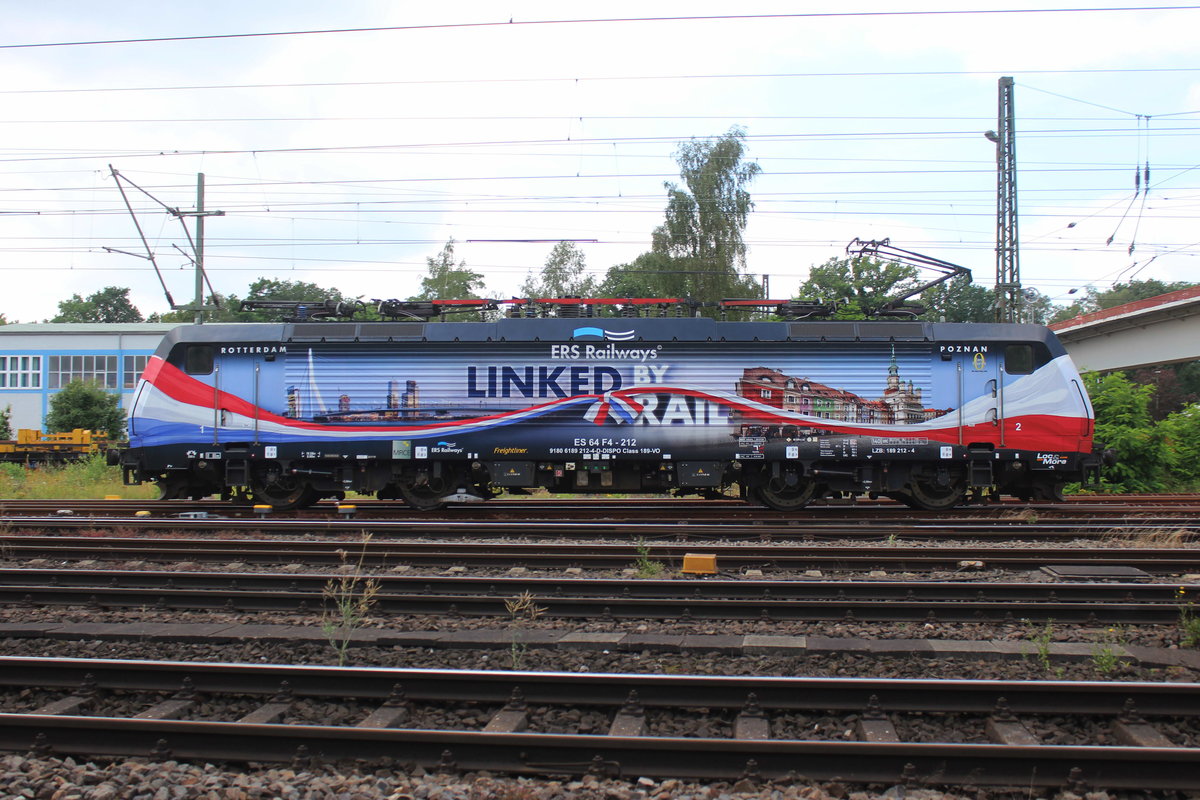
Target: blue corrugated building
(37, 359)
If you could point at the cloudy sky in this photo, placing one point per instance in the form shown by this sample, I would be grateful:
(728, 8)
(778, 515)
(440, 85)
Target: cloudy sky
(347, 157)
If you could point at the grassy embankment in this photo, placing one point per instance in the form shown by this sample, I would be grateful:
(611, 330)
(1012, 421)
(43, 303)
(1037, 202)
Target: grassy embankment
(90, 478)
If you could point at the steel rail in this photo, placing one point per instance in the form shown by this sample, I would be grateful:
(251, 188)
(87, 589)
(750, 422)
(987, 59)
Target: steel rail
(602, 608)
(610, 689)
(1139, 768)
(681, 588)
(557, 555)
(591, 599)
(526, 505)
(525, 753)
(783, 530)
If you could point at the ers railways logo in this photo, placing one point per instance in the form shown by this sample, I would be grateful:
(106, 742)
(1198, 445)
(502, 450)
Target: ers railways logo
(600, 333)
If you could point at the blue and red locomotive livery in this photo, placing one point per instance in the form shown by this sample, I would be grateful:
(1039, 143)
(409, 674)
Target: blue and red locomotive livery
(436, 411)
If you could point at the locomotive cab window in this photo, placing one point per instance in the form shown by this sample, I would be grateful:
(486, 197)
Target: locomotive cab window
(198, 360)
(1018, 359)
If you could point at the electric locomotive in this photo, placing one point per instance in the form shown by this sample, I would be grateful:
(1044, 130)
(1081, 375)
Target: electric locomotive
(435, 412)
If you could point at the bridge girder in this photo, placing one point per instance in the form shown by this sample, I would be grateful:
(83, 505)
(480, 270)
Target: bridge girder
(1162, 334)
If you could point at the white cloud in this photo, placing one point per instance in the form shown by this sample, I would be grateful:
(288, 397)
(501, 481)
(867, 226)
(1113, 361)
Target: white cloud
(585, 158)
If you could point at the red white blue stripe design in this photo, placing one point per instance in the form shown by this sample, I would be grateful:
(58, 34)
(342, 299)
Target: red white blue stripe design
(1045, 410)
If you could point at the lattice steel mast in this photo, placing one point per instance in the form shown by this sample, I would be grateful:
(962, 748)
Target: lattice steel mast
(1008, 262)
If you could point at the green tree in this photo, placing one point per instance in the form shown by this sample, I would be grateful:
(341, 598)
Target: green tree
(649, 275)
(262, 289)
(705, 222)
(110, 304)
(1123, 423)
(1062, 313)
(85, 404)
(271, 289)
(958, 300)
(1037, 308)
(1189, 377)
(659, 275)
(222, 308)
(860, 285)
(1181, 432)
(1170, 393)
(563, 275)
(6, 422)
(1132, 291)
(446, 281)
(1119, 294)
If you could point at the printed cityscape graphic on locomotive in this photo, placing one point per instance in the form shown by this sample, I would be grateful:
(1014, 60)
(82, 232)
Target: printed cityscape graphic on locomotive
(434, 412)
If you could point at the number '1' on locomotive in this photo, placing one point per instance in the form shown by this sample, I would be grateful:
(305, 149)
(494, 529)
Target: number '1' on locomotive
(783, 411)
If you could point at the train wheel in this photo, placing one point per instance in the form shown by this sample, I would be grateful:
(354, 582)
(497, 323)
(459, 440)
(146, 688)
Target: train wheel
(177, 488)
(285, 494)
(930, 497)
(422, 498)
(1048, 492)
(171, 488)
(786, 498)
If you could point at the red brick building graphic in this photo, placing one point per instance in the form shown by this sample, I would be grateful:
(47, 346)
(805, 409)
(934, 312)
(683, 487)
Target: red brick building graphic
(900, 404)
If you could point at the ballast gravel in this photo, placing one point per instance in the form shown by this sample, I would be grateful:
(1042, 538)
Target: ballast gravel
(1029, 632)
(139, 779)
(831, 665)
(52, 778)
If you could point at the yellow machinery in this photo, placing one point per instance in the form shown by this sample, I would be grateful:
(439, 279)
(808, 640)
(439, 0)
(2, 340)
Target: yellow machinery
(34, 447)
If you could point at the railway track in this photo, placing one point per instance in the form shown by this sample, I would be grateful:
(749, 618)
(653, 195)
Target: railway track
(1170, 507)
(1180, 529)
(1128, 735)
(589, 555)
(586, 599)
(706, 729)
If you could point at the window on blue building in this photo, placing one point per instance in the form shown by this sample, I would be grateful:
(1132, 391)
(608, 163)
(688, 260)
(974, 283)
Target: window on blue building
(20, 372)
(98, 369)
(134, 366)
